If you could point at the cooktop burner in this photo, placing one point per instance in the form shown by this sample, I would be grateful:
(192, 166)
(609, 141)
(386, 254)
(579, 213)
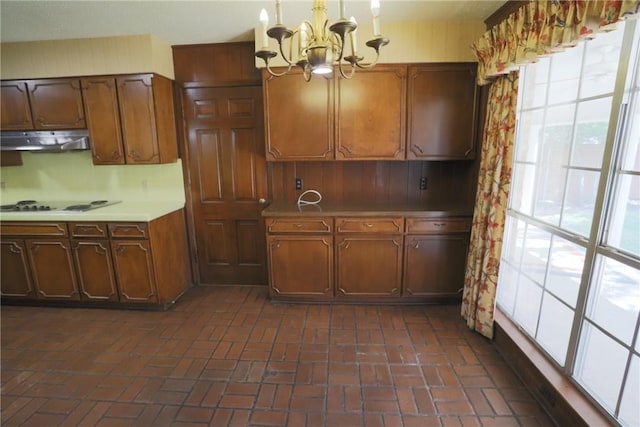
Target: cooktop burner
(56, 205)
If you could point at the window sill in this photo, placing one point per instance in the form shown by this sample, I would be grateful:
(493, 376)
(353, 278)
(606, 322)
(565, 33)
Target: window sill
(562, 400)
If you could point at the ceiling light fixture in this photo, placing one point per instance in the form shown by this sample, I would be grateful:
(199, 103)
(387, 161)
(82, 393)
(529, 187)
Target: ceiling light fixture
(320, 45)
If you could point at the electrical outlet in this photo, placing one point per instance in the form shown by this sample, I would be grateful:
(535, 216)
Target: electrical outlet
(298, 183)
(145, 185)
(423, 183)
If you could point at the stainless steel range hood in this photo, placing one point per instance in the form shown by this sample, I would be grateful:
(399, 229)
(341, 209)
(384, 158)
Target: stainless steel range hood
(45, 141)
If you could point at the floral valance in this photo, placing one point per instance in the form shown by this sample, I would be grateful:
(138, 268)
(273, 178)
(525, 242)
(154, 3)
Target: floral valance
(542, 27)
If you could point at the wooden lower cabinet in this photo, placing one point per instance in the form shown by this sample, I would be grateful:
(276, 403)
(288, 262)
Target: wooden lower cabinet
(15, 280)
(377, 259)
(116, 263)
(51, 262)
(134, 269)
(300, 266)
(434, 265)
(368, 266)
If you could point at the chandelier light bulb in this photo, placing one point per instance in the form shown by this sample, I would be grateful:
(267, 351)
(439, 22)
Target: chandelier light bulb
(375, 13)
(264, 20)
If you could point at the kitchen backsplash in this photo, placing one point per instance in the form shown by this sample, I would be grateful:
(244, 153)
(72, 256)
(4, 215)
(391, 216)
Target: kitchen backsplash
(67, 176)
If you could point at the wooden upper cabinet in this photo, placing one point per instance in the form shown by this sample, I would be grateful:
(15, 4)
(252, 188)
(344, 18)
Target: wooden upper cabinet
(56, 104)
(130, 119)
(371, 113)
(443, 111)
(103, 120)
(299, 117)
(14, 105)
(147, 118)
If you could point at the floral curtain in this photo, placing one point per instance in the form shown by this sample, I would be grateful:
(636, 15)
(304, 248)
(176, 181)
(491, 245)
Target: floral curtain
(538, 28)
(542, 27)
(481, 276)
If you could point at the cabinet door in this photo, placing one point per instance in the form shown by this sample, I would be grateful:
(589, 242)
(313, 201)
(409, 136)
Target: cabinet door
(52, 267)
(434, 265)
(298, 117)
(14, 105)
(443, 109)
(368, 266)
(371, 114)
(134, 271)
(15, 281)
(137, 113)
(56, 104)
(103, 120)
(95, 270)
(300, 265)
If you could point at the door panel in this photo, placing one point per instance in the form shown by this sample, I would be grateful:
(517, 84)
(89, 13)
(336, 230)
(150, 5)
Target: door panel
(228, 178)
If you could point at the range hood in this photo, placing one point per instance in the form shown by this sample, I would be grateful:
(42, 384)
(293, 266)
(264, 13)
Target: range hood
(45, 141)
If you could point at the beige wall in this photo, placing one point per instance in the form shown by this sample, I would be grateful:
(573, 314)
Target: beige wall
(85, 57)
(414, 42)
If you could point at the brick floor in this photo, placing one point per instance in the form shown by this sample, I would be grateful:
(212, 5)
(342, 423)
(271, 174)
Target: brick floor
(226, 356)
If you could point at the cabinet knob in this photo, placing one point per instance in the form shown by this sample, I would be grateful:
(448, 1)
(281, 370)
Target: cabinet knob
(262, 201)
(369, 225)
(439, 224)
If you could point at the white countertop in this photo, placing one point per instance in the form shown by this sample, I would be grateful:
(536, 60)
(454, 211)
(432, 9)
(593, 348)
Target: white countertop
(123, 211)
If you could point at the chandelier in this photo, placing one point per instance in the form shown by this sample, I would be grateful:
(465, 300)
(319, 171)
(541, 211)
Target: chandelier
(319, 44)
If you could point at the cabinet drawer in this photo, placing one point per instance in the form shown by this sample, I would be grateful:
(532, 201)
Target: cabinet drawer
(88, 229)
(444, 225)
(53, 229)
(369, 225)
(299, 225)
(132, 230)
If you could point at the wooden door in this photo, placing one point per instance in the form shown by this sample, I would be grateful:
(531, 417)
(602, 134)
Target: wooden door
(443, 111)
(56, 104)
(227, 176)
(299, 117)
(103, 120)
(371, 114)
(14, 106)
(52, 267)
(15, 281)
(134, 271)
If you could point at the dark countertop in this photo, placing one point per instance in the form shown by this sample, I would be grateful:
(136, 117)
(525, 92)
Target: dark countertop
(282, 208)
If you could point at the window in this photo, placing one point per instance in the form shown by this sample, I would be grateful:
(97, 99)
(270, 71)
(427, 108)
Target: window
(570, 267)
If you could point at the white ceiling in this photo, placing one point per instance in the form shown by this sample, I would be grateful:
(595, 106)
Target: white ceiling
(192, 22)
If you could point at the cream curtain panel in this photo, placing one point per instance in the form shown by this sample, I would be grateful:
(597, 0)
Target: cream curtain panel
(494, 180)
(539, 28)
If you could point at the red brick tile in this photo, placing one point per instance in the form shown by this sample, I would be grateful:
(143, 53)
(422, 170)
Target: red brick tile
(420, 421)
(240, 418)
(237, 401)
(423, 401)
(459, 407)
(213, 395)
(499, 421)
(344, 419)
(448, 393)
(496, 401)
(39, 420)
(194, 415)
(124, 410)
(268, 418)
